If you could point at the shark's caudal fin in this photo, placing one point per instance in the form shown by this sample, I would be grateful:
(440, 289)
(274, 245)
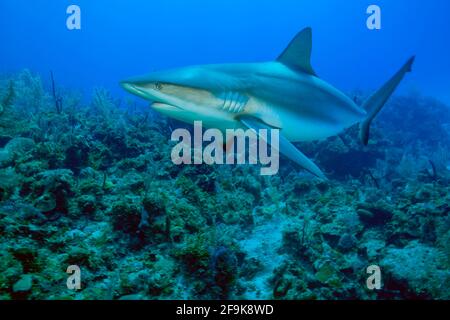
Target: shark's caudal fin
(298, 54)
(376, 102)
(285, 147)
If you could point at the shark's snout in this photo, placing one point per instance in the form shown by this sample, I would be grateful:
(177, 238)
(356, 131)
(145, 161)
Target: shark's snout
(126, 85)
(133, 88)
(145, 90)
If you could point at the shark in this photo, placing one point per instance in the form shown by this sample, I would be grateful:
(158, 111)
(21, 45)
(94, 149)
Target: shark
(284, 94)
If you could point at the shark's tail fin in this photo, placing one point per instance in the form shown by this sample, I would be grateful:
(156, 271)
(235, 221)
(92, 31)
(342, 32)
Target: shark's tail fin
(376, 102)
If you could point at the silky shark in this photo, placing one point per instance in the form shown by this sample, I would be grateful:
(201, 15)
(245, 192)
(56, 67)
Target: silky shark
(285, 94)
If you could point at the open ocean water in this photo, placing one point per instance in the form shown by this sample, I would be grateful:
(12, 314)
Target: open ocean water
(93, 207)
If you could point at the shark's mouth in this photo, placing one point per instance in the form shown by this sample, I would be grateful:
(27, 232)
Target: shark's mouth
(157, 104)
(131, 88)
(165, 107)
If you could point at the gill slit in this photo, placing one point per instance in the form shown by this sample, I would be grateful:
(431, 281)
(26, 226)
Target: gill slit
(234, 102)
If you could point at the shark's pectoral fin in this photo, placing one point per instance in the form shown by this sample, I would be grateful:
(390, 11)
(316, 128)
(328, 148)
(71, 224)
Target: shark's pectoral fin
(298, 54)
(285, 146)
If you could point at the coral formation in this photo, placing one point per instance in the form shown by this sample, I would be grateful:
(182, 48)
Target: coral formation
(92, 184)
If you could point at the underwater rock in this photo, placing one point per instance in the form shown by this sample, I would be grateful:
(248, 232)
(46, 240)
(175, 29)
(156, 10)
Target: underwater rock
(365, 215)
(292, 282)
(252, 186)
(10, 271)
(4, 139)
(76, 157)
(81, 256)
(347, 242)
(250, 268)
(203, 176)
(95, 186)
(45, 203)
(425, 193)
(28, 257)
(302, 186)
(132, 181)
(126, 217)
(282, 286)
(19, 212)
(185, 216)
(373, 247)
(224, 267)
(331, 233)
(55, 180)
(54, 184)
(292, 241)
(211, 265)
(343, 156)
(156, 223)
(327, 274)
(30, 168)
(87, 204)
(195, 257)
(161, 281)
(352, 264)
(322, 186)
(153, 205)
(132, 297)
(422, 270)
(143, 228)
(88, 173)
(6, 158)
(24, 284)
(346, 221)
(374, 214)
(444, 241)
(428, 115)
(297, 238)
(9, 183)
(20, 146)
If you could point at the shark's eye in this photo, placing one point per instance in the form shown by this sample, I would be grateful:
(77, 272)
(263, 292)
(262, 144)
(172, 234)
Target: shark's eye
(158, 86)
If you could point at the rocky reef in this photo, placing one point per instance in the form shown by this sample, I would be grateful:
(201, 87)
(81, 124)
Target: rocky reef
(92, 184)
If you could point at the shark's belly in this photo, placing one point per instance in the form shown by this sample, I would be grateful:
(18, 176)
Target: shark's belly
(297, 128)
(304, 123)
(307, 110)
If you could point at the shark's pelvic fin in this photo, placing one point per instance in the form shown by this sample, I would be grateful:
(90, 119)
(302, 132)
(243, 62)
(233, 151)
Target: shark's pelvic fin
(285, 146)
(298, 54)
(376, 102)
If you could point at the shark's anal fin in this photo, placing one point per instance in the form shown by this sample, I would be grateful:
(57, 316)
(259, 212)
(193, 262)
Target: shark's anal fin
(298, 54)
(285, 146)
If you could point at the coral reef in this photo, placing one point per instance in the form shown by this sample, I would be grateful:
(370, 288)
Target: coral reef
(92, 184)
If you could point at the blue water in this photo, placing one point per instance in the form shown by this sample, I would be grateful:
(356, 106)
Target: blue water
(85, 183)
(123, 38)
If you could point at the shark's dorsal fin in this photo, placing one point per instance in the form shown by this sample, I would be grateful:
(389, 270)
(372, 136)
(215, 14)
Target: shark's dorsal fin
(298, 54)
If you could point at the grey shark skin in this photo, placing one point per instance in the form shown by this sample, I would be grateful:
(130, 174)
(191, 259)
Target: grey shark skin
(284, 94)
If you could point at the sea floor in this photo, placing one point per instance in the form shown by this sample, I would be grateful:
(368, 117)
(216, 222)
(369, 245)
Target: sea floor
(91, 184)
